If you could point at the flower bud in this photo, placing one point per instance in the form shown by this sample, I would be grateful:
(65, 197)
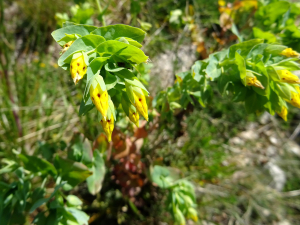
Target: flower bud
(134, 116)
(287, 77)
(283, 113)
(178, 216)
(251, 80)
(100, 99)
(108, 126)
(130, 110)
(289, 52)
(78, 68)
(192, 214)
(140, 102)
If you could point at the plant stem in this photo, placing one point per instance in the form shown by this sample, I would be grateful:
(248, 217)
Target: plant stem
(100, 11)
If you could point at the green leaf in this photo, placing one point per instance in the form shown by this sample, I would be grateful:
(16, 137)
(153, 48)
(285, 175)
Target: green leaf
(243, 47)
(94, 182)
(44, 200)
(73, 29)
(113, 32)
(95, 66)
(198, 70)
(85, 107)
(73, 200)
(236, 32)
(240, 62)
(80, 150)
(81, 217)
(71, 171)
(38, 165)
(131, 42)
(86, 43)
(283, 90)
(213, 68)
(162, 176)
(68, 38)
(110, 80)
(268, 36)
(121, 52)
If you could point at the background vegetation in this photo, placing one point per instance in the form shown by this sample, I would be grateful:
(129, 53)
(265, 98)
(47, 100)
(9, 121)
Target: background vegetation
(236, 167)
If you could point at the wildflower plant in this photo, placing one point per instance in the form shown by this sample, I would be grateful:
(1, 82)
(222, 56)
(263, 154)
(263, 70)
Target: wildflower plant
(256, 73)
(108, 58)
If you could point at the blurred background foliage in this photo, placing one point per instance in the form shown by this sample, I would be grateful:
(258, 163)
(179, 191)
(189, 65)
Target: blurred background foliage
(244, 168)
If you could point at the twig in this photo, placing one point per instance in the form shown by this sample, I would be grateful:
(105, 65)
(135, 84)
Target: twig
(295, 133)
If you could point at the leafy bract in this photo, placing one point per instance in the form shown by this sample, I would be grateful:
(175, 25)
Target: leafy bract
(86, 43)
(113, 32)
(73, 29)
(120, 51)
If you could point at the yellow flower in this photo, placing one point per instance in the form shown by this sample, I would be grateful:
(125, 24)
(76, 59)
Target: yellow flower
(78, 68)
(252, 81)
(295, 99)
(283, 113)
(134, 116)
(289, 52)
(222, 3)
(100, 99)
(140, 102)
(287, 77)
(66, 47)
(108, 126)
(297, 88)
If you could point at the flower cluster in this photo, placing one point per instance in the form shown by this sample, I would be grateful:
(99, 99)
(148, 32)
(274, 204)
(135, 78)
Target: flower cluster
(109, 63)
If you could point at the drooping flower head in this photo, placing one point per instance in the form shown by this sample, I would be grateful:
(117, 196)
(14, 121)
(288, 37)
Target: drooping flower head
(108, 127)
(137, 97)
(130, 109)
(107, 122)
(140, 102)
(78, 67)
(289, 52)
(287, 77)
(99, 97)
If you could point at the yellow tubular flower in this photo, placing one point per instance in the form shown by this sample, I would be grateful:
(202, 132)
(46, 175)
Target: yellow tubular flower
(134, 116)
(78, 68)
(252, 81)
(66, 47)
(287, 77)
(295, 99)
(108, 127)
(140, 102)
(283, 113)
(288, 52)
(100, 99)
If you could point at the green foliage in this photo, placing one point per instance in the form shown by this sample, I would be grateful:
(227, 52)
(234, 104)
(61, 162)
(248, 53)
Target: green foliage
(253, 72)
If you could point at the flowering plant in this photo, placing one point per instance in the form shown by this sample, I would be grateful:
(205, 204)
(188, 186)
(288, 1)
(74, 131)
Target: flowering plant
(108, 56)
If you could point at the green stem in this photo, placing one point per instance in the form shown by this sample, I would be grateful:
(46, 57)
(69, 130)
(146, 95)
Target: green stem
(100, 11)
